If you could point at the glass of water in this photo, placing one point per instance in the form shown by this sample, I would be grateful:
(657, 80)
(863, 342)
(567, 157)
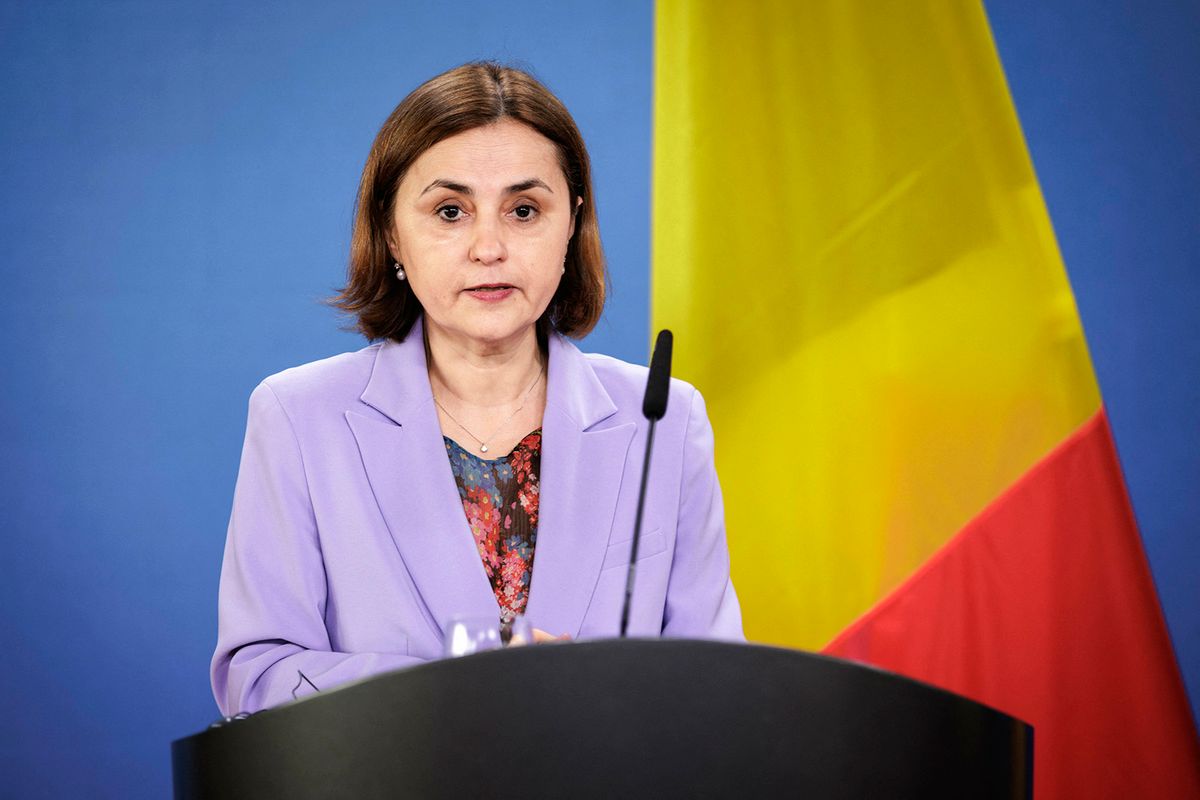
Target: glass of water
(467, 635)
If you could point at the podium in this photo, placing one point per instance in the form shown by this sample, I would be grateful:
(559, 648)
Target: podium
(618, 718)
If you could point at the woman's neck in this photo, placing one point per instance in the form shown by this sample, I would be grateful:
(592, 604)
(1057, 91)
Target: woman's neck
(482, 375)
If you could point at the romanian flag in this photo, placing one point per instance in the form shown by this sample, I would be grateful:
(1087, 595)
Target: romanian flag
(853, 251)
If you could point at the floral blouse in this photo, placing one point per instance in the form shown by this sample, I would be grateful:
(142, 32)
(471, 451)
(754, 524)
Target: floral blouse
(500, 498)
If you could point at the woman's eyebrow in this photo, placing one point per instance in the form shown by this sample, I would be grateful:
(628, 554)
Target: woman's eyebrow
(462, 188)
(531, 183)
(442, 183)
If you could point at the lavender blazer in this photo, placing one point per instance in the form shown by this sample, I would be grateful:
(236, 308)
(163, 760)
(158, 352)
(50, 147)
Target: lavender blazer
(348, 550)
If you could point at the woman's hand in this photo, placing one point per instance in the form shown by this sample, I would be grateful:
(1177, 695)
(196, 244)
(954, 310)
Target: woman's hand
(541, 637)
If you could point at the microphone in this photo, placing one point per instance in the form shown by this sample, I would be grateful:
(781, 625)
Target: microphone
(658, 383)
(654, 407)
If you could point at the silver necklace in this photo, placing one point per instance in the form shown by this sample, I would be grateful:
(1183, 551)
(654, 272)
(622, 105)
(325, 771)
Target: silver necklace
(483, 448)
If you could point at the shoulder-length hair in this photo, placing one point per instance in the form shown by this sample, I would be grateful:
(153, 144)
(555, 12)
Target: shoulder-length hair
(467, 97)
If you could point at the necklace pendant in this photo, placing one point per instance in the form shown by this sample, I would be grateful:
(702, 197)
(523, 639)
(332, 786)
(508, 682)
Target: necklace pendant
(482, 447)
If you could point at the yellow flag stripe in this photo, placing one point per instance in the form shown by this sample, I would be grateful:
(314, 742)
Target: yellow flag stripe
(851, 247)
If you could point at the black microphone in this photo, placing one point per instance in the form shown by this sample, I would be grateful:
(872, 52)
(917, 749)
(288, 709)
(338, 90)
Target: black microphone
(658, 384)
(654, 407)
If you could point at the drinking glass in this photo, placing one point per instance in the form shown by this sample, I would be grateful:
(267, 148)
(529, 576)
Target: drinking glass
(467, 635)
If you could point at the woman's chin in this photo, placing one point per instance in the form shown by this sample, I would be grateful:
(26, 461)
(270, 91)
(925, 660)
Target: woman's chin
(491, 334)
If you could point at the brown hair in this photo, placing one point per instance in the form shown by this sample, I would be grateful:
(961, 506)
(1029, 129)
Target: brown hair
(467, 97)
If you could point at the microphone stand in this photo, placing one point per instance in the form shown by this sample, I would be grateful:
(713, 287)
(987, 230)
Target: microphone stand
(654, 407)
(637, 531)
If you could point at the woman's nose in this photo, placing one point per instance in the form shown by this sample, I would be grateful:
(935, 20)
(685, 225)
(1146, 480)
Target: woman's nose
(487, 242)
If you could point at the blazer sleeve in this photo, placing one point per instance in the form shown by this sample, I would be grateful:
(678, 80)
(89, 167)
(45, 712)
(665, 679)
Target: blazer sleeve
(701, 601)
(271, 635)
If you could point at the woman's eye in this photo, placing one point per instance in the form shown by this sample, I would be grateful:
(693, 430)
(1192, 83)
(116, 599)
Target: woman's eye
(449, 213)
(525, 212)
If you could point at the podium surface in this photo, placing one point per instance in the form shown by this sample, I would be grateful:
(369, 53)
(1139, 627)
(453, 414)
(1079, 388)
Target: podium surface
(618, 718)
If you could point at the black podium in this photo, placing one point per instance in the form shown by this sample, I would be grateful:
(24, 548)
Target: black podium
(632, 718)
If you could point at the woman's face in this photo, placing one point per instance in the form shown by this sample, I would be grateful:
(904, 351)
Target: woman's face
(481, 225)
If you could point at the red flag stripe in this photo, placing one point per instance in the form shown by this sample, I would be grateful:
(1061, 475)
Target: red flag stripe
(1044, 607)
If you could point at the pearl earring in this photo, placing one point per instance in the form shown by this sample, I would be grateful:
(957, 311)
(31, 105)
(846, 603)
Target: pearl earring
(400, 272)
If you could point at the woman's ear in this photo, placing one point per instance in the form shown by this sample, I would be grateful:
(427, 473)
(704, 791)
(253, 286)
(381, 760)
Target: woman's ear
(574, 216)
(392, 245)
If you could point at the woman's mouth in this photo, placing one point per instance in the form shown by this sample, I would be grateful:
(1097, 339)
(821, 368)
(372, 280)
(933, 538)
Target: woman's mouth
(490, 292)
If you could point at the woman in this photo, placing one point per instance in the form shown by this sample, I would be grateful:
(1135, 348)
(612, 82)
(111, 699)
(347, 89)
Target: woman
(383, 492)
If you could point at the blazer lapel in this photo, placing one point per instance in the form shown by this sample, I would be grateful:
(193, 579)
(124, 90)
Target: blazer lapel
(406, 464)
(581, 471)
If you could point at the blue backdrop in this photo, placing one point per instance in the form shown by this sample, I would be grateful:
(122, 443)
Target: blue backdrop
(1107, 97)
(178, 182)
